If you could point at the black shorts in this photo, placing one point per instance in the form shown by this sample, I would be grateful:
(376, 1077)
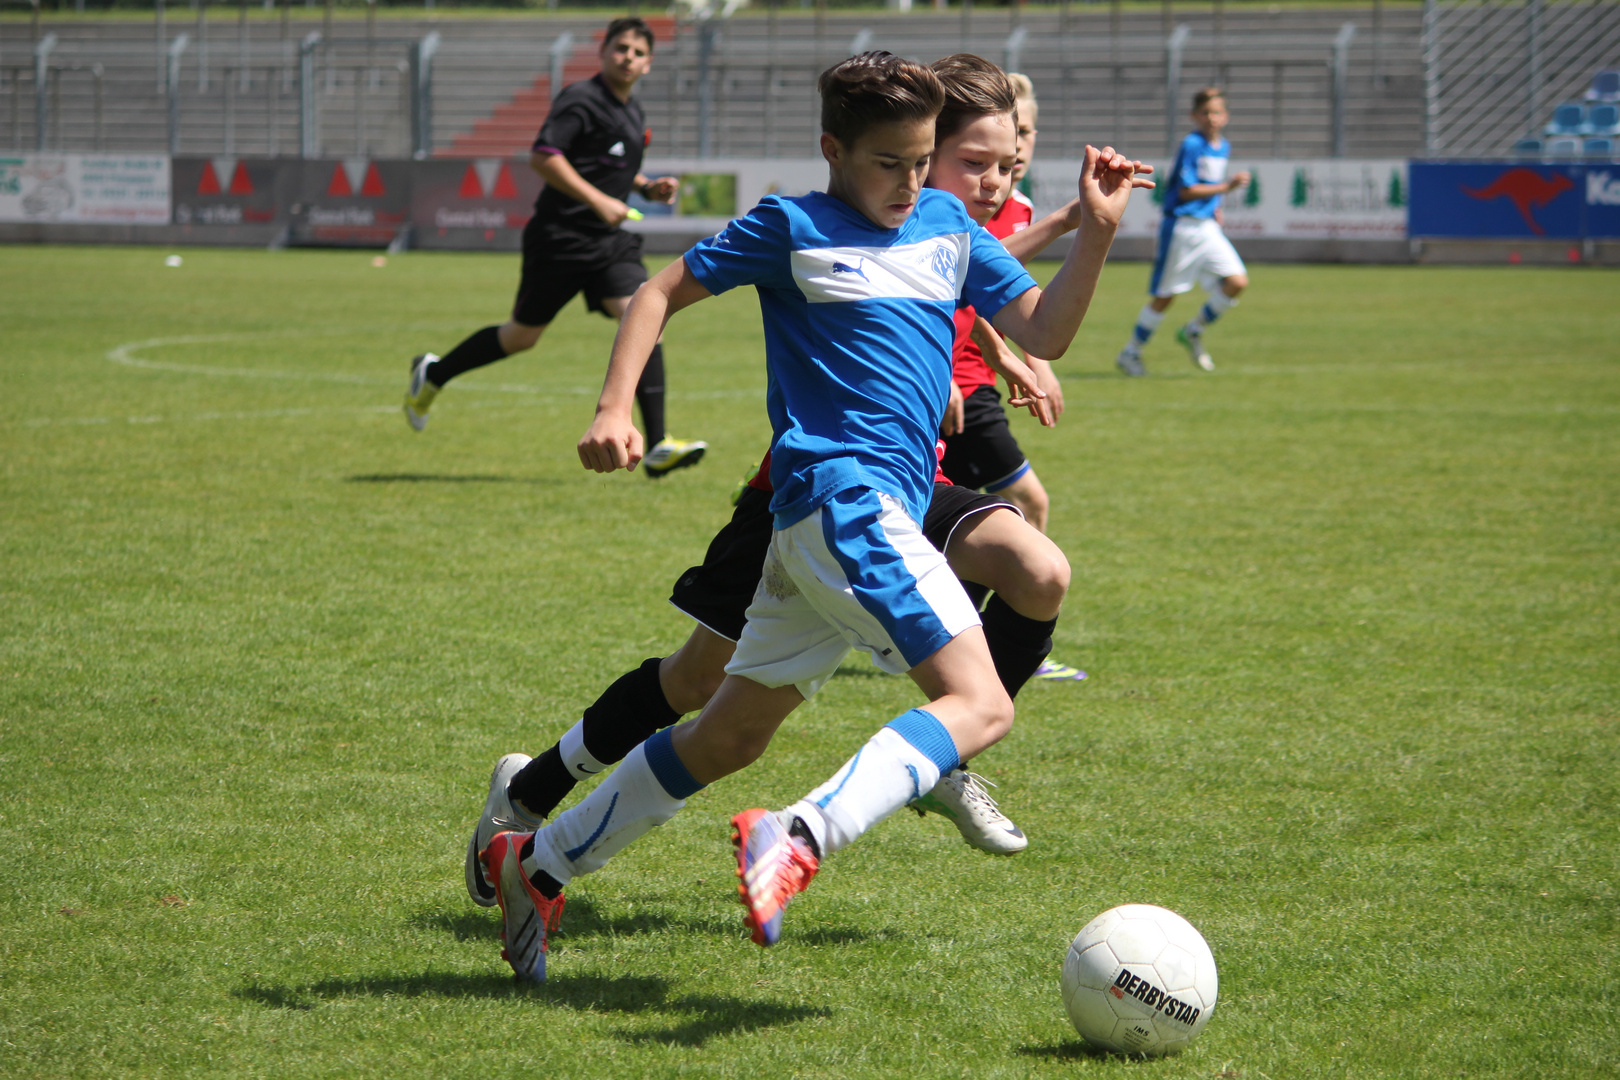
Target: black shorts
(717, 592)
(984, 455)
(550, 280)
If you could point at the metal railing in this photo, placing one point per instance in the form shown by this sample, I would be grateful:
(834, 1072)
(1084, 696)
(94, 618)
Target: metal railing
(1494, 70)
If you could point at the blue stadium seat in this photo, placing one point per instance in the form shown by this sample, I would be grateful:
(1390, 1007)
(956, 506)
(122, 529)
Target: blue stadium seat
(1603, 120)
(1564, 147)
(1600, 147)
(1605, 86)
(1568, 119)
(1530, 147)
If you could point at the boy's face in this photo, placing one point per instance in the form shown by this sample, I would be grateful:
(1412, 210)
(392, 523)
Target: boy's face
(1211, 117)
(1027, 114)
(882, 171)
(976, 164)
(626, 59)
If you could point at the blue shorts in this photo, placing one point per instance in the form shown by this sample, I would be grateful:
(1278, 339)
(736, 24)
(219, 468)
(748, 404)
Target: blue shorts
(857, 573)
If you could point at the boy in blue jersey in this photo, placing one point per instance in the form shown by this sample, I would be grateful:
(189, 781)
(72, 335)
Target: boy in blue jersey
(857, 286)
(1192, 247)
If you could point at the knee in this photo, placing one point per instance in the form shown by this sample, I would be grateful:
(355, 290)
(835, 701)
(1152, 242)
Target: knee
(518, 337)
(1050, 577)
(996, 711)
(1235, 284)
(688, 685)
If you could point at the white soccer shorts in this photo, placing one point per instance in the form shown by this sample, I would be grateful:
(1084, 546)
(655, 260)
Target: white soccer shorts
(1198, 253)
(856, 573)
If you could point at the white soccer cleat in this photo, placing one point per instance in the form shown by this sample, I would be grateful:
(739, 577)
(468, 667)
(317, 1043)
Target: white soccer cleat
(1193, 340)
(1130, 363)
(960, 796)
(499, 815)
(671, 454)
(420, 393)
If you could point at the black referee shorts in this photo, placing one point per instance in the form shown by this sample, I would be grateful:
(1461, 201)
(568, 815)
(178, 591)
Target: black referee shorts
(984, 455)
(607, 269)
(717, 592)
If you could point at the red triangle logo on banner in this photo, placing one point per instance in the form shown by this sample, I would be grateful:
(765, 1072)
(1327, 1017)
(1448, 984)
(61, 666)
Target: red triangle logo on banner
(372, 185)
(340, 182)
(505, 186)
(241, 184)
(470, 187)
(209, 184)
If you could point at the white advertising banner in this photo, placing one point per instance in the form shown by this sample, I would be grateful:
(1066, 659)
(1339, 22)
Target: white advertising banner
(125, 189)
(1322, 198)
(1317, 199)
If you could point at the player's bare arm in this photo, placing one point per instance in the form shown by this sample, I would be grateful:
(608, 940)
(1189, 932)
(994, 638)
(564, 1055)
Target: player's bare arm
(1194, 192)
(662, 189)
(1023, 388)
(559, 173)
(612, 442)
(1045, 321)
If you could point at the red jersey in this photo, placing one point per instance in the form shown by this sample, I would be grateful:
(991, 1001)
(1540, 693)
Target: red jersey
(761, 480)
(968, 369)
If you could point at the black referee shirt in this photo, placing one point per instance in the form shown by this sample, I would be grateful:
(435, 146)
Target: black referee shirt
(603, 139)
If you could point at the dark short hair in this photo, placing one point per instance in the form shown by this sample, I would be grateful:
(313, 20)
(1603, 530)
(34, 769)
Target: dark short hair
(632, 24)
(876, 88)
(974, 87)
(1207, 95)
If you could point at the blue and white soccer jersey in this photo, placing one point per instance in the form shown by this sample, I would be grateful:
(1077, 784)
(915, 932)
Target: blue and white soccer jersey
(1192, 248)
(858, 333)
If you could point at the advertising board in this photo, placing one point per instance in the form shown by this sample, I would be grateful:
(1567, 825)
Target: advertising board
(1513, 201)
(123, 189)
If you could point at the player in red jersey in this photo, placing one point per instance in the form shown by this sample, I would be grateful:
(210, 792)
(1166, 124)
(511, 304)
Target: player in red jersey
(978, 153)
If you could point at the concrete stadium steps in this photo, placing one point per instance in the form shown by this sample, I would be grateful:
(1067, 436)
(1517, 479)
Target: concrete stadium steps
(509, 131)
(1101, 79)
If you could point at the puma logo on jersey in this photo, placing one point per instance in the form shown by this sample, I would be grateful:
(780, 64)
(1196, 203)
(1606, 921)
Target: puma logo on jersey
(617, 149)
(841, 268)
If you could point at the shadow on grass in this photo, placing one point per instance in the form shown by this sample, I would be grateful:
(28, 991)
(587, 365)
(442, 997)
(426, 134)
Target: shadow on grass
(441, 478)
(715, 1015)
(860, 673)
(581, 920)
(1072, 1050)
(842, 935)
(695, 1019)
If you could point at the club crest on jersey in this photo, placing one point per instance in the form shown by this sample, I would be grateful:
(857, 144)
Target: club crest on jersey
(943, 262)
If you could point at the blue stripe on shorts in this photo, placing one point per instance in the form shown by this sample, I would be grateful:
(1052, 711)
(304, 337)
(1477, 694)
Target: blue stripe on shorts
(852, 527)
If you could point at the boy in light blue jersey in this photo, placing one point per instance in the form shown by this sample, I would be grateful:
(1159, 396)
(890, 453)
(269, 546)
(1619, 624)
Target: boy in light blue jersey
(857, 287)
(1192, 248)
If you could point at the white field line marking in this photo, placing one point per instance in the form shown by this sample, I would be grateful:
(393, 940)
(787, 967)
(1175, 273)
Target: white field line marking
(125, 354)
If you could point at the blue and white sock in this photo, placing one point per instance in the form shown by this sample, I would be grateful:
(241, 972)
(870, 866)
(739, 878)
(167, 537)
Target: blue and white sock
(902, 761)
(647, 789)
(1217, 305)
(1147, 321)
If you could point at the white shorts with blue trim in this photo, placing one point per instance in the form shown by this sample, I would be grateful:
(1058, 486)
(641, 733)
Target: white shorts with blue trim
(857, 573)
(1198, 252)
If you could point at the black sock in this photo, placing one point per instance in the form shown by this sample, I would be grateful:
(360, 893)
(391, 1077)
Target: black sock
(976, 593)
(616, 723)
(549, 887)
(802, 831)
(650, 396)
(1018, 643)
(481, 348)
(542, 784)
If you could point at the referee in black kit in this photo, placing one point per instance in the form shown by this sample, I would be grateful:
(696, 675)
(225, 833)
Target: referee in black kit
(589, 154)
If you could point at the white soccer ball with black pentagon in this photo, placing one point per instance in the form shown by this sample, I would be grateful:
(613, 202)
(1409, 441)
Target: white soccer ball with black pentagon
(1139, 979)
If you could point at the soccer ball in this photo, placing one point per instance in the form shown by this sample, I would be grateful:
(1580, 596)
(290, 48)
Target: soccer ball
(1139, 980)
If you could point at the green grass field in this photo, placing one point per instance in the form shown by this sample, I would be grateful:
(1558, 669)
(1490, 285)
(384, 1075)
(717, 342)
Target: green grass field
(1349, 607)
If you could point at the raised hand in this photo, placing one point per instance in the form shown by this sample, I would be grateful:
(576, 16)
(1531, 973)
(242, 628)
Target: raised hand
(1106, 181)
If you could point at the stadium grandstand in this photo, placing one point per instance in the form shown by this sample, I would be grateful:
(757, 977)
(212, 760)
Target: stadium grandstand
(1446, 78)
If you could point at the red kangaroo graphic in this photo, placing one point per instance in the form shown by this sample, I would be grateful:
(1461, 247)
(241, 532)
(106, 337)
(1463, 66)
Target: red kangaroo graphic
(1527, 188)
